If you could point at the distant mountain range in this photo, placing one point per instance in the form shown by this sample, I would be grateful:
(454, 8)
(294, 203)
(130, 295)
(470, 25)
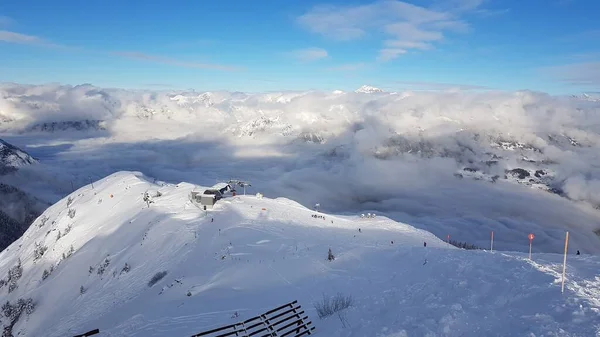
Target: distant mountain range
(360, 139)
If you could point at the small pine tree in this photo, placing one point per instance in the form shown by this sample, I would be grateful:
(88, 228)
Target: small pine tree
(330, 256)
(69, 253)
(39, 251)
(68, 229)
(47, 273)
(7, 310)
(82, 290)
(43, 221)
(126, 268)
(14, 274)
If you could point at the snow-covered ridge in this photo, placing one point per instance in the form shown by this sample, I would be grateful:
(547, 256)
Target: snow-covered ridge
(104, 258)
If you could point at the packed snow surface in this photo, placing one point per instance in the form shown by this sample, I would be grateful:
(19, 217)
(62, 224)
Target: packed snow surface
(249, 254)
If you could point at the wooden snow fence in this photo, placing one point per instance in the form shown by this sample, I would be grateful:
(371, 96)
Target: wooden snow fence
(89, 333)
(287, 320)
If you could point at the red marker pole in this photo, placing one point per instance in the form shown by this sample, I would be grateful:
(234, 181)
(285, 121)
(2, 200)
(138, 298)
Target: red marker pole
(530, 236)
(492, 244)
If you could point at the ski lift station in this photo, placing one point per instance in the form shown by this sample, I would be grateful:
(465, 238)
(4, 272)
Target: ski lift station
(209, 197)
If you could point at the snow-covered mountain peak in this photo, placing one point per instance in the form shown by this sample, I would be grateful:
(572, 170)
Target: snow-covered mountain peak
(11, 157)
(366, 89)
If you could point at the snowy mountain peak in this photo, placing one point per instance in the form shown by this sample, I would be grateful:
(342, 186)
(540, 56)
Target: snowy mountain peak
(12, 158)
(366, 89)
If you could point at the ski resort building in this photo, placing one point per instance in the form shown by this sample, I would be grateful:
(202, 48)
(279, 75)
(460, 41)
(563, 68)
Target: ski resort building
(208, 198)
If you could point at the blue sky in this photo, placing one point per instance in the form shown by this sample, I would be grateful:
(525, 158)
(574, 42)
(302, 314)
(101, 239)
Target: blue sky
(544, 45)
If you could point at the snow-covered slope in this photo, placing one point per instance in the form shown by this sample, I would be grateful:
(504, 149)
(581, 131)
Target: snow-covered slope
(87, 262)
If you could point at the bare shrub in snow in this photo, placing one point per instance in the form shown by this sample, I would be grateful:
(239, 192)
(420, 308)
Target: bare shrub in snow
(331, 305)
(91, 270)
(58, 236)
(72, 212)
(39, 251)
(330, 256)
(82, 290)
(102, 267)
(69, 201)
(157, 277)
(463, 245)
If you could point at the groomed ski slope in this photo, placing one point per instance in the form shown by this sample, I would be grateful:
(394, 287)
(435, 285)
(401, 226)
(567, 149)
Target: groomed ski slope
(260, 253)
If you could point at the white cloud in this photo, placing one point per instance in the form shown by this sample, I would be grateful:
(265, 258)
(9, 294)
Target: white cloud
(32, 40)
(460, 5)
(435, 86)
(348, 67)
(174, 62)
(17, 38)
(409, 26)
(309, 54)
(583, 74)
(387, 54)
(24, 39)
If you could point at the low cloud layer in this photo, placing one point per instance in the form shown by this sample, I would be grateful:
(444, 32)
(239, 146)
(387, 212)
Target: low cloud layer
(425, 158)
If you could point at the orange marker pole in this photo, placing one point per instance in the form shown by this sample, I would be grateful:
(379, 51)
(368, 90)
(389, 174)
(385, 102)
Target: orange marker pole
(492, 245)
(530, 237)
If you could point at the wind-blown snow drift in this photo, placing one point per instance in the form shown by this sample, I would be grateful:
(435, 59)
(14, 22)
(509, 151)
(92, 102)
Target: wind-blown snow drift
(102, 246)
(528, 161)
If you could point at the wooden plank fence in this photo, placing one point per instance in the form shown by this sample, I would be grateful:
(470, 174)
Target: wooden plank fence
(288, 320)
(89, 333)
